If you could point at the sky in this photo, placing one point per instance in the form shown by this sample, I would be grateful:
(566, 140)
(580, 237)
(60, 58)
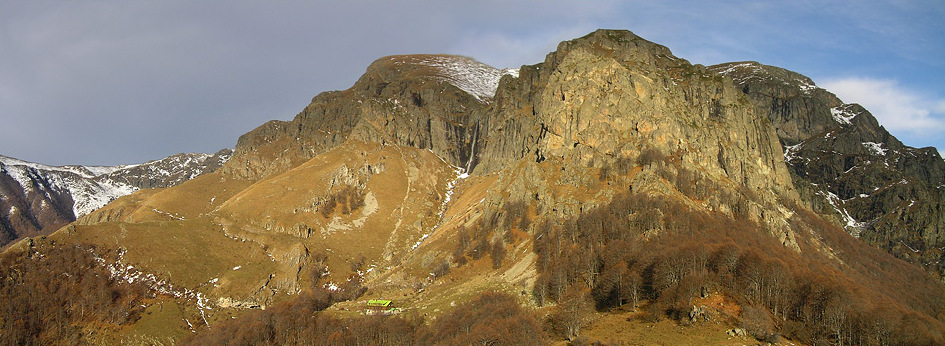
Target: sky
(107, 83)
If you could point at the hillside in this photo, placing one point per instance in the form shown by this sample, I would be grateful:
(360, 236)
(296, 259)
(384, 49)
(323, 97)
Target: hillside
(610, 188)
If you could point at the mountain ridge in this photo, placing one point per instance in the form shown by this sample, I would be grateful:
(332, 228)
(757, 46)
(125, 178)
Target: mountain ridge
(37, 198)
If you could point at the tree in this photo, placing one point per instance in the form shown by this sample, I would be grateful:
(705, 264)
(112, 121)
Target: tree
(757, 322)
(497, 254)
(573, 312)
(838, 306)
(492, 318)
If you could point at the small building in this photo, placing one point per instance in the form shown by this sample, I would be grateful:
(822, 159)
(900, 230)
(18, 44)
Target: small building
(380, 306)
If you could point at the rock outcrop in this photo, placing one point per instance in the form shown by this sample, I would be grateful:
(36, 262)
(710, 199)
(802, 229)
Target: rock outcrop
(846, 164)
(611, 97)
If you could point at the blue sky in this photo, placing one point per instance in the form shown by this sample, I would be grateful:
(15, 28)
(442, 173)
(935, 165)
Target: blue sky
(125, 82)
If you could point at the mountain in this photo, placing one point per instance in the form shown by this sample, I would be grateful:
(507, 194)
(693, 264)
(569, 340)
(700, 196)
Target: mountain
(609, 191)
(847, 165)
(38, 199)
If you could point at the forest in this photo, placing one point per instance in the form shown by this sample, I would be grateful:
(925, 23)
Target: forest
(50, 291)
(648, 248)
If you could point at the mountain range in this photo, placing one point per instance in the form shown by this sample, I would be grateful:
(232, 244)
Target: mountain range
(610, 191)
(38, 199)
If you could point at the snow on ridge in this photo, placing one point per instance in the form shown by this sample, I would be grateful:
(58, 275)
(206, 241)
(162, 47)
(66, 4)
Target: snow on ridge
(735, 72)
(742, 72)
(103, 170)
(92, 187)
(83, 171)
(473, 77)
(87, 194)
(736, 67)
(510, 71)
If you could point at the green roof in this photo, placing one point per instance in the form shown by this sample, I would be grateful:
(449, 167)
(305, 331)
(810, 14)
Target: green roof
(379, 302)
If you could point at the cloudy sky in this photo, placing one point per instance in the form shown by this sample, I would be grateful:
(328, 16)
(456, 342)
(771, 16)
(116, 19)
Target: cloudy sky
(126, 82)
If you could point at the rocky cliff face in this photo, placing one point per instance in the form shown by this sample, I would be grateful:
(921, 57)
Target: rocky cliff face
(846, 164)
(423, 101)
(37, 199)
(613, 99)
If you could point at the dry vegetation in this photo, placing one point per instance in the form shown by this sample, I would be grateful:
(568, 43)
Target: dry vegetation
(56, 294)
(346, 200)
(489, 319)
(603, 257)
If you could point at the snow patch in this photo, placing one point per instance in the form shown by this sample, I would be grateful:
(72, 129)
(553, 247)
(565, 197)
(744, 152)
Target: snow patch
(790, 152)
(852, 226)
(875, 148)
(842, 114)
(130, 274)
(806, 86)
(740, 78)
(168, 214)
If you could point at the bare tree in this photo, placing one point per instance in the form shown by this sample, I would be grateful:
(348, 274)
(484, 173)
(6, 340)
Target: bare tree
(573, 312)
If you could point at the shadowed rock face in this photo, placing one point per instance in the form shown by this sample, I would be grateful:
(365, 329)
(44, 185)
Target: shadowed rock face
(846, 164)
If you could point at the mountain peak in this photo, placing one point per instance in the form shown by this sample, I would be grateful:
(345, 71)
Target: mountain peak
(475, 78)
(622, 45)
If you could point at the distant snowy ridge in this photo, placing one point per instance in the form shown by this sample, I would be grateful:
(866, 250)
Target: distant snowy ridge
(87, 193)
(92, 187)
(83, 171)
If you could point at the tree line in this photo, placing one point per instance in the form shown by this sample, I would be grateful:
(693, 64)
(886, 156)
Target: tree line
(492, 318)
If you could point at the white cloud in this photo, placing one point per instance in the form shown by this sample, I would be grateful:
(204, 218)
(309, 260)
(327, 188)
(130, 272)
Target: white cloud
(902, 111)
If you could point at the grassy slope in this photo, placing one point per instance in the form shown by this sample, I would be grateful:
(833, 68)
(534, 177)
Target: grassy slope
(195, 234)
